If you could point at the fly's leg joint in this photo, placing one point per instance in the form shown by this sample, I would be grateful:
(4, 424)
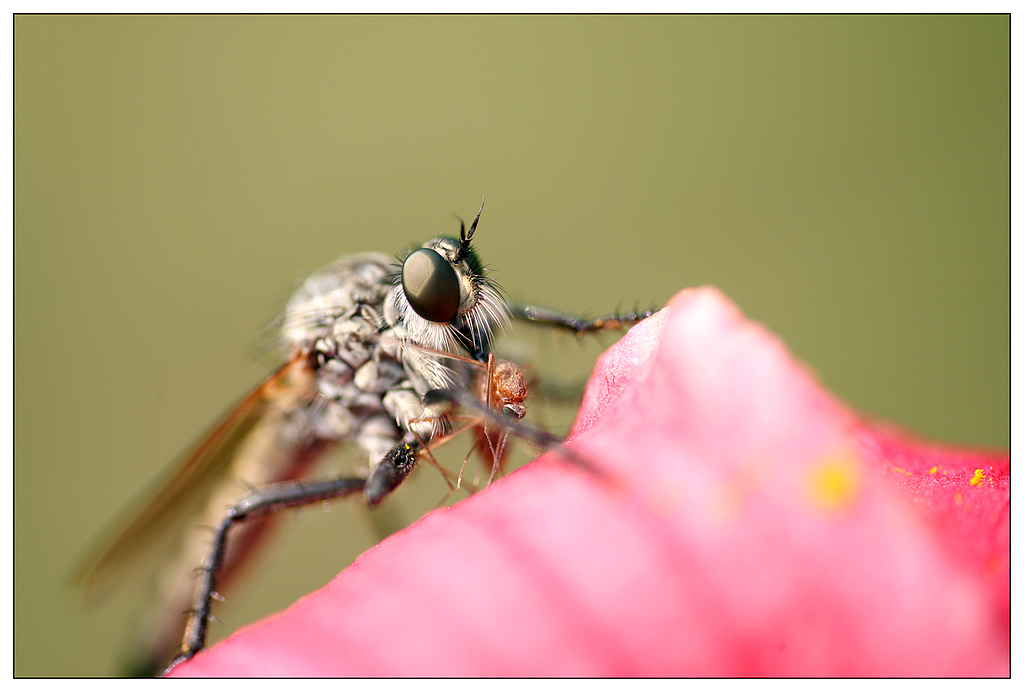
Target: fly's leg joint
(258, 503)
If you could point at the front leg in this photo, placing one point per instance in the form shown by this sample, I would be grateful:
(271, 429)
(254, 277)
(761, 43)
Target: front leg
(574, 323)
(390, 472)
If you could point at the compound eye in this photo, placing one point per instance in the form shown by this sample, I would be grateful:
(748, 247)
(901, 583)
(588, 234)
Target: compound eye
(431, 285)
(513, 411)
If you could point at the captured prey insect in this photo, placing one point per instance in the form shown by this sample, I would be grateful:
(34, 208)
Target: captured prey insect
(380, 354)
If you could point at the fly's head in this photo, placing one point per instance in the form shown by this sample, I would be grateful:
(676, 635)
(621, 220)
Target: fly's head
(442, 298)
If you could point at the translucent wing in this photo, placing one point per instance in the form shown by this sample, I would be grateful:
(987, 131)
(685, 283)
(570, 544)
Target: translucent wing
(145, 536)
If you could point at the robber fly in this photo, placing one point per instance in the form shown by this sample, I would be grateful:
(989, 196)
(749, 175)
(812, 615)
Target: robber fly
(380, 354)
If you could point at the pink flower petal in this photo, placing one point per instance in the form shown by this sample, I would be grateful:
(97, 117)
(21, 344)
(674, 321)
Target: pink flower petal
(751, 526)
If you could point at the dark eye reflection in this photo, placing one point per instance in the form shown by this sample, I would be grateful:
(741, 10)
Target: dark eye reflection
(431, 285)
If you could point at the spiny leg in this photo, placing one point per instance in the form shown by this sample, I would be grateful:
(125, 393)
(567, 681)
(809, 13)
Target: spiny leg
(425, 454)
(497, 453)
(551, 388)
(574, 323)
(535, 436)
(434, 409)
(384, 478)
(478, 448)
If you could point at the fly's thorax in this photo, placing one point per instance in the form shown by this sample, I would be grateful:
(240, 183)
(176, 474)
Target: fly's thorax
(341, 288)
(335, 318)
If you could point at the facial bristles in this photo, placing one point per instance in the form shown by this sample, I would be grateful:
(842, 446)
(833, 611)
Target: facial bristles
(490, 310)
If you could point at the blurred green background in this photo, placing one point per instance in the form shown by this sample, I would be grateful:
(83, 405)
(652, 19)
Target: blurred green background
(844, 180)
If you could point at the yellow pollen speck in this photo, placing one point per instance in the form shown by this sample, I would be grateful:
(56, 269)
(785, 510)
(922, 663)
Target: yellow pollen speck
(979, 476)
(833, 484)
(934, 469)
(897, 469)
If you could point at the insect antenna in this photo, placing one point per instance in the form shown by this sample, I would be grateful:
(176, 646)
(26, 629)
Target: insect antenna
(465, 238)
